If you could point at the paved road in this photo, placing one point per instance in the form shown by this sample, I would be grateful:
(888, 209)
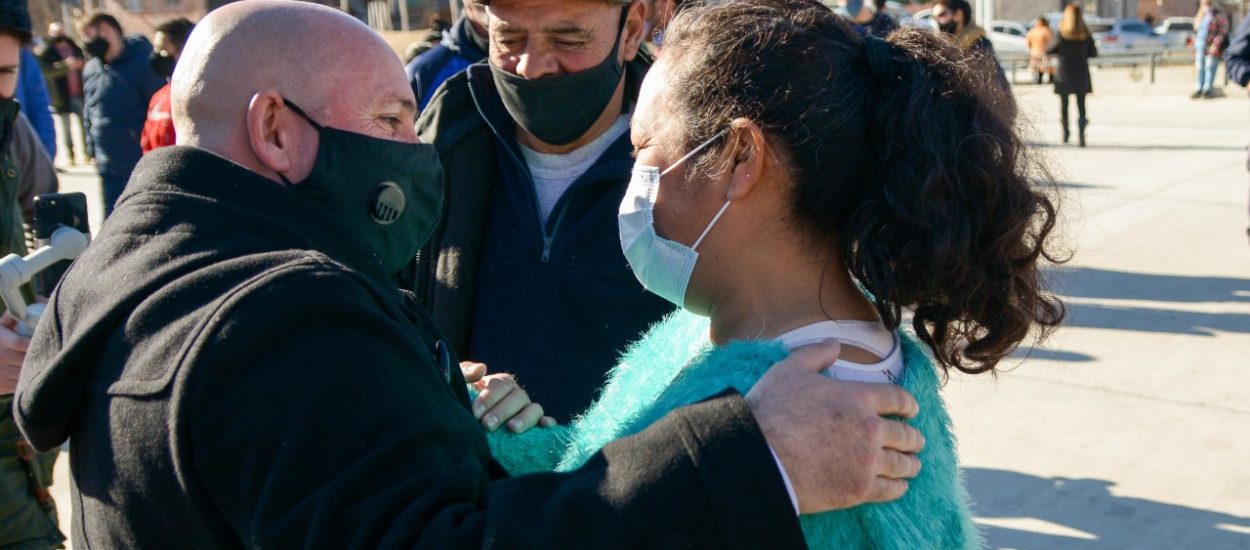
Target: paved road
(1131, 427)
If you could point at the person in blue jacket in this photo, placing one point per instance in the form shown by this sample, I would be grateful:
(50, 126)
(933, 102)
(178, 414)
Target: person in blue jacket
(118, 84)
(1237, 63)
(463, 45)
(32, 93)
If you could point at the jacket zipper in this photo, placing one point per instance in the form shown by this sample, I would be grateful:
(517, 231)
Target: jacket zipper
(548, 237)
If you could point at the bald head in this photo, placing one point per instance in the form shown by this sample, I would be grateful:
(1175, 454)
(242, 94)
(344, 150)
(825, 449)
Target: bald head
(246, 59)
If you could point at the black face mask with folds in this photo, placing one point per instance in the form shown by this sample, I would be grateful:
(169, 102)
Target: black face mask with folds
(97, 47)
(162, 64)
(559, 109)
(949, 27)
(389, 193)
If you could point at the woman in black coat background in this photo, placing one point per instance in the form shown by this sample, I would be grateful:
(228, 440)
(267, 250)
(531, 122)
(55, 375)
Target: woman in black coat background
(1075, 47)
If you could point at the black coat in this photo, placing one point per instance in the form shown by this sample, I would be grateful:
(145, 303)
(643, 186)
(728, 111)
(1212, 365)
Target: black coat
(233, 370)
(1073, 74)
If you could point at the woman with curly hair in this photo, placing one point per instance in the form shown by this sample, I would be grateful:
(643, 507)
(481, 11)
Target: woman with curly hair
(797, 183)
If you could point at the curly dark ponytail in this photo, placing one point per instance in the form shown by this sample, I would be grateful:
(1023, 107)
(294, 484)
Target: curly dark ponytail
(904, 157)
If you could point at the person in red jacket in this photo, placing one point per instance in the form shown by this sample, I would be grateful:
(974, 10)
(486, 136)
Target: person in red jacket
(170, 38)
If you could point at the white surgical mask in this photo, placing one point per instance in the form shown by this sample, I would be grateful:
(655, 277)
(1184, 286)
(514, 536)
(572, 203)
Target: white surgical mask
(662, 266)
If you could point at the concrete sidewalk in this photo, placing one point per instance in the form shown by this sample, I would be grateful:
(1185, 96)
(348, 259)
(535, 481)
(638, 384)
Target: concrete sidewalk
(1129, 429)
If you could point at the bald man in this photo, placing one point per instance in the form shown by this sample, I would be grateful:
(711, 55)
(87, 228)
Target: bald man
(234, 366)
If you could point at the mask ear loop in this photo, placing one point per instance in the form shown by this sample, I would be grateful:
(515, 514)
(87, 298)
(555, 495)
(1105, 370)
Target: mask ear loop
(301, 113)
(696, 150)
(291, 105)
(720, 213)
(711, 224)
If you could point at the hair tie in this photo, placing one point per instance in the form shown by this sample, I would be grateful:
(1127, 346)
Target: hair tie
(880, 58)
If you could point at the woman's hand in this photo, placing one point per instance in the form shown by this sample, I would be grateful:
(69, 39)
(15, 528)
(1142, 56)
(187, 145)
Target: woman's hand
(501, 400)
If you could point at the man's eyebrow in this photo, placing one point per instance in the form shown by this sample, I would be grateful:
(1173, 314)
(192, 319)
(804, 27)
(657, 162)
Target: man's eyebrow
(568, 29)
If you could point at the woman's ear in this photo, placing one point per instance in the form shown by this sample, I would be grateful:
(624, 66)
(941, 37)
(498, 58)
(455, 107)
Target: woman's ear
(269, 135)
(746, 141)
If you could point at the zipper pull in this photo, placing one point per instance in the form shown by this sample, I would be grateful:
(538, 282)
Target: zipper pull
(546, 248)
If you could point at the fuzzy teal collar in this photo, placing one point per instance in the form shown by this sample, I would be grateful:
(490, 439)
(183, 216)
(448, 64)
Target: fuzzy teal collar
(674, 365)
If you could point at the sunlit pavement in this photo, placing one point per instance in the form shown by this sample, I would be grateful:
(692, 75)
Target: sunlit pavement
(1130, 428)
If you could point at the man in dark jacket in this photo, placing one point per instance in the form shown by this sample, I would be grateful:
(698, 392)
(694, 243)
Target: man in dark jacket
(464, 45)
(537, 153)
(27, 514)
(1237, 63)
(954, 17)
(235, 367)
(118, 84)
(62, 63)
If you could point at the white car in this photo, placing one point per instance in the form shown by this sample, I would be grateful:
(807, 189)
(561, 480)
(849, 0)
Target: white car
(1008, 37)
(1177, 32)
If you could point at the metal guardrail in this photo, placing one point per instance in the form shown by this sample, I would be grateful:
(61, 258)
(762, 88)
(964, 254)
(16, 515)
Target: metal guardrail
(1013, 62)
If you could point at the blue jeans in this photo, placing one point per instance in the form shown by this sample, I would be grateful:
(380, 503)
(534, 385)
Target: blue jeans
(113, 184)
(1207, 64)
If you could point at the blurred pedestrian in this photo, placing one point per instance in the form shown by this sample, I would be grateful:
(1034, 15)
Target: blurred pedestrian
(867, 18)
(429, 41)
(659, 14)
(118, 83)
(27, 513)
(462, 45)
(1237, 63)
(62, 62)
(1075, 48)
(954, 17)
(32, 95)
(1209, 42)
(167, 43)
(1038, 41)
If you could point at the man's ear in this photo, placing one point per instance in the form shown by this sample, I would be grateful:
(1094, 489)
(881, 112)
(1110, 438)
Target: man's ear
(270, 134)
(633, 29)
(746, 141)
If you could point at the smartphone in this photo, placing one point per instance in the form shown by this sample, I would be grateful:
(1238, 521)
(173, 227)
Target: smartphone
(53, 210)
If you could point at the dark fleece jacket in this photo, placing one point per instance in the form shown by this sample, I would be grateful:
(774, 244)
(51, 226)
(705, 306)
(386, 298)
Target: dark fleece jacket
(233, 370)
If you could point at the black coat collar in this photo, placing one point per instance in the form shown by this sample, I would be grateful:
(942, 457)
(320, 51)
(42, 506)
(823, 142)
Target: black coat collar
(298, 222)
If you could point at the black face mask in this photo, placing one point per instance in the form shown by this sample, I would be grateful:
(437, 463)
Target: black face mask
(97, 47)
(949, 27)
(560, 109)
(389, 193)
(162, 64)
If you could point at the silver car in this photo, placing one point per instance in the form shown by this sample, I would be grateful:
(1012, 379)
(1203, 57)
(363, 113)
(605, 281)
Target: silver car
(1124, 36)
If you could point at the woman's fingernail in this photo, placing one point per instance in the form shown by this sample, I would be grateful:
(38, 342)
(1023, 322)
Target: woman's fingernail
(492, 422)
(478, 410)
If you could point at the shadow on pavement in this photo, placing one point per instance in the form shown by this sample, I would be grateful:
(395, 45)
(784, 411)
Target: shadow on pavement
(1084, 282)
(1144, 147)
(1052, 355)
(1022, 511)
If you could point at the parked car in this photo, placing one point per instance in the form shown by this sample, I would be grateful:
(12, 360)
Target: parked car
(1177, 32)
(1010, 27)
(1124, 36)
(1008, 37)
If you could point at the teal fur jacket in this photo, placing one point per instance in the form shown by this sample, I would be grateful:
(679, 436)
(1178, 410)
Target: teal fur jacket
(675, 365)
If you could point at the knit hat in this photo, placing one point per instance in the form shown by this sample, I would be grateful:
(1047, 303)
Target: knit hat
(15, 19)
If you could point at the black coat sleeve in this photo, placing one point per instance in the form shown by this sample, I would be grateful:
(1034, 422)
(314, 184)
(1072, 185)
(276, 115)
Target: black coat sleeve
(1237, 56)
(315, 418)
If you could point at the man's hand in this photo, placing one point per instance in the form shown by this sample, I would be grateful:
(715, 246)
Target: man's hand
(830, 436)
(12, 352)
(501, 400)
